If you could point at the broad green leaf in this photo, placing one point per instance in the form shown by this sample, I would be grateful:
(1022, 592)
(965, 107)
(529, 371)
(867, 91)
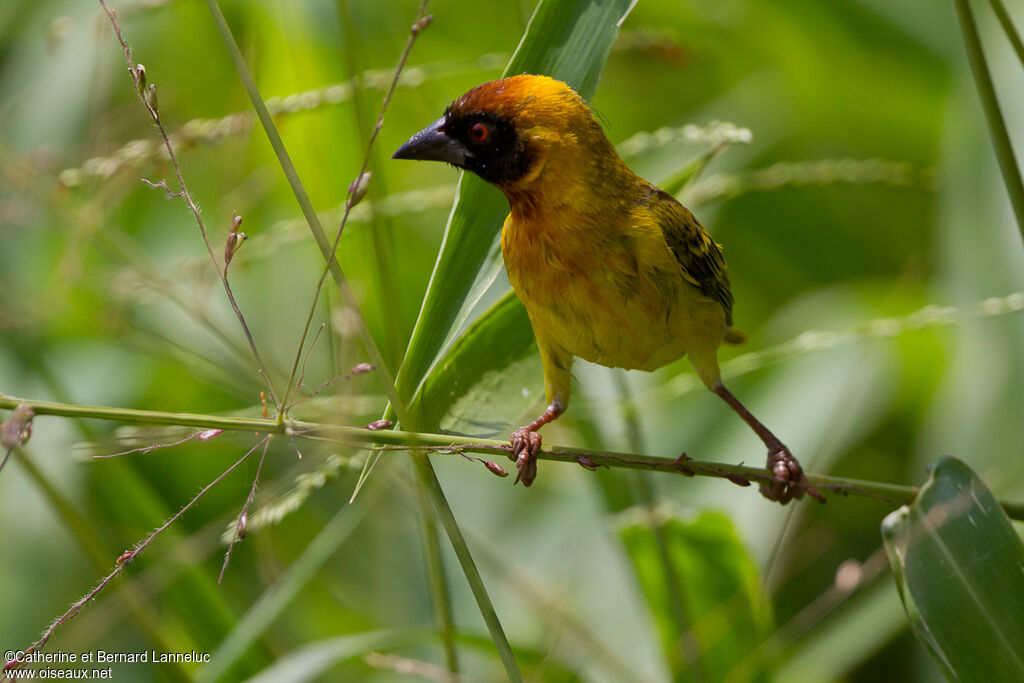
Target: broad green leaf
(492, 370)
(959, 567)
(710, 610)
(566, 39)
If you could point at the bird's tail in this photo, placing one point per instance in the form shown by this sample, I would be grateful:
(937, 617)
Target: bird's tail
(734, 337)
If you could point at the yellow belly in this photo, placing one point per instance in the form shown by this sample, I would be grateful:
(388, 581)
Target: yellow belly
(613, 302)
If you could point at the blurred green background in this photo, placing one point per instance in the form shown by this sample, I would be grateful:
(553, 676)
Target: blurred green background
(867, 193)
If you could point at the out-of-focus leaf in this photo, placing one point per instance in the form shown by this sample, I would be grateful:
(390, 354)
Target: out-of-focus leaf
(491, 370)
(959, 566)
(847, 639)
(539, 664)
(247, 630)
(568, 40)
(711, 611)
(311, 662)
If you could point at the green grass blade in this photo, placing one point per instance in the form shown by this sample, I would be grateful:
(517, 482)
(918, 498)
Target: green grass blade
(569, 40)
(479, 370)
(959, 567)
(439, 593)
(473, 578)
(993, 115)
(1007, 23)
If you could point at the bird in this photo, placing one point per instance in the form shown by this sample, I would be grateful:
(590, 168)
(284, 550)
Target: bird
(609, 267)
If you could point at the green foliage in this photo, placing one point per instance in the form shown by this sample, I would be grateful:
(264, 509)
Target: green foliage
(705, 594)
(875, 260)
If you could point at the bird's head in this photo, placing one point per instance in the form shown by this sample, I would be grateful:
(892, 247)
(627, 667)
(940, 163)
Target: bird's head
(510, 131)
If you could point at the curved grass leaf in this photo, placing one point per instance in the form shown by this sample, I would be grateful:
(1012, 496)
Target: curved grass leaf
(712, 613)
(569, 40)
(959, 567)
(491, 370)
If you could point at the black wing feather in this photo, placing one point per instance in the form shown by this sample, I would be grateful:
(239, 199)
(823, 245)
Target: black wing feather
(699, 257)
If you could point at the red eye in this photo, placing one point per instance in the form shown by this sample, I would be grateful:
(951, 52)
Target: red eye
(480, 132)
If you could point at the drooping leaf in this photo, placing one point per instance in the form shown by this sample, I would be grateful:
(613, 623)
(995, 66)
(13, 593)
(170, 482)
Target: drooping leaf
(959, 567)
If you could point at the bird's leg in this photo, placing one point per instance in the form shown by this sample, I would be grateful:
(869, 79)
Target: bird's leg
(790, 481)
(526, 444)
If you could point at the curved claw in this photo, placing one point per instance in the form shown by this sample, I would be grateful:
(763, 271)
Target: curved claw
(790, 482)
(525, 446)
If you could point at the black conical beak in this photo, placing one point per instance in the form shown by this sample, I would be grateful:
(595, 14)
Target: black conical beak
(432, 144)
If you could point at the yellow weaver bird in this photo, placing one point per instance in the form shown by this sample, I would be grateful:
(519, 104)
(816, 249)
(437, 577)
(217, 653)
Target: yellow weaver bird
(610, 268)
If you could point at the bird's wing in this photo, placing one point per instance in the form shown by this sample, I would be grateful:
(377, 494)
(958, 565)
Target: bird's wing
(698, 256)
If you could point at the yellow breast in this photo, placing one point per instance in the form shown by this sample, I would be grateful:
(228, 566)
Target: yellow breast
(610, 294)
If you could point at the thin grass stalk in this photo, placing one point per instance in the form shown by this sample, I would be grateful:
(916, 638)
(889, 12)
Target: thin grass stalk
(123, 561)
(381, 228)
(382, 239)
(347, 295)
(149, 101)
(275, 599)
(1008, 28)
(92, 546)
(437, 577)
(993, 115)
(476, 583)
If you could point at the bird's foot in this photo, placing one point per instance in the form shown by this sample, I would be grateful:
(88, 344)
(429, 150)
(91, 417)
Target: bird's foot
(525, 446)
(789, 481)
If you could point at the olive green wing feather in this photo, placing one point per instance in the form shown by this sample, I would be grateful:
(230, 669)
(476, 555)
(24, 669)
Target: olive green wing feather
(699, 257)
